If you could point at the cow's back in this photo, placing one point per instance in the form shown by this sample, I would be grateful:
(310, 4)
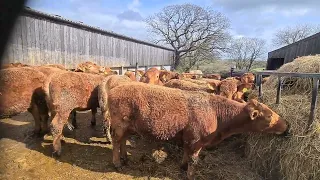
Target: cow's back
(71, 88)
(158, 111)
(16, 88)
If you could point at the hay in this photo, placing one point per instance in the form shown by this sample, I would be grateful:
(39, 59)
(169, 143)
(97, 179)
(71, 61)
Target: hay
(297, 157)
(225, 162)
(305, 64)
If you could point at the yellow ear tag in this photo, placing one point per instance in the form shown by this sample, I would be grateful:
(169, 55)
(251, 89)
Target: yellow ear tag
(210, 87)
(244, 90)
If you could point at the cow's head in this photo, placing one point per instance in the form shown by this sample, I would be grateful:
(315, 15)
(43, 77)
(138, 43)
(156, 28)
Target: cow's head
(263, 119)
(151, 76)
(166, 76)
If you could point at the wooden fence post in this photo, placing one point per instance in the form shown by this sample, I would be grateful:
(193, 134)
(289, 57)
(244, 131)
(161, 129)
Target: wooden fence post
(121, 70)
(313, 102)
(137, 76)
(279, 88)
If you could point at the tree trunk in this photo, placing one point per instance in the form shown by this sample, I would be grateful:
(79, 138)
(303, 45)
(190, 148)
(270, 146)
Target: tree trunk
(176, 62)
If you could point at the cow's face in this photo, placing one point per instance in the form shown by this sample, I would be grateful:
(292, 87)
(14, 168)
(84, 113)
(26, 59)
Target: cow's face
(151, 77)
(263, 119)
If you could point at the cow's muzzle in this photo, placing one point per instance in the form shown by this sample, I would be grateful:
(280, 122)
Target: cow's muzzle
(287, 133)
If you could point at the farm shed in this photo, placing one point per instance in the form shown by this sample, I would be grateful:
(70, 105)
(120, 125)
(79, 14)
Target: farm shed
(304, 47)
(40, 38)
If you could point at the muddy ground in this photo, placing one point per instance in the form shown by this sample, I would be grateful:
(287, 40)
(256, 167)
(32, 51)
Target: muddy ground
(85, 155)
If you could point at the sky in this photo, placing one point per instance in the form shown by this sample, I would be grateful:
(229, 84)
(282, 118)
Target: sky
(249, 18)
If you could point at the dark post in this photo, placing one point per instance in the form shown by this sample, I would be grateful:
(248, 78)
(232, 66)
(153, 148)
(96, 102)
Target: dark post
(260, 85)
(279, 88)
(231, 71)
(313, 102)
(137, 76)
(146, 68)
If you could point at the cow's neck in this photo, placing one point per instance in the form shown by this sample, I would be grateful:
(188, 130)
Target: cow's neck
(231, 118)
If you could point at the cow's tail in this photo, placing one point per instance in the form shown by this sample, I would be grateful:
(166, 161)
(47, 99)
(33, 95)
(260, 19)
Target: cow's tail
(103, 91)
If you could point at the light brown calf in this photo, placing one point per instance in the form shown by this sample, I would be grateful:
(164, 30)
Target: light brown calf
(202, 118)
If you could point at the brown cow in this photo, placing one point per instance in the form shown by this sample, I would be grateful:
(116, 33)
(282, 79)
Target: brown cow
(228, 88)
(106, 85)
(247, 78)
(166, 76)
(189, 86)
(151, 76)
(12, 65)
(265, 79)
(90, 67)
(66, 92)
(202, 119)
(214, 83)
(59, 66)
(131, 75)
(241, 91)
(16, 88)
(212, 76)
(38, 107)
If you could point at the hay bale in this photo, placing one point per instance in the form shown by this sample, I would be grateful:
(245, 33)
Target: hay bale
(305, 64)
(297, 157)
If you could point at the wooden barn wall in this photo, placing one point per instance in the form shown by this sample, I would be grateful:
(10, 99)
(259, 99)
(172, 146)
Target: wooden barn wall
(37, 41)
(308, 46)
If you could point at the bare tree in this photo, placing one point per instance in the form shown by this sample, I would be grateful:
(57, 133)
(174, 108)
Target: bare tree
(244, 51)
(186, 27)
(292, 34)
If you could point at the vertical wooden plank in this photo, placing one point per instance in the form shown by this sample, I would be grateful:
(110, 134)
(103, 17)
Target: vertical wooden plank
(48, 42)
(279, 88)
(73, 60)
(87, 45)
(30, 36)
(37, 40)
(24, 40)
(63, 45)
(313, 102)
(18, 38)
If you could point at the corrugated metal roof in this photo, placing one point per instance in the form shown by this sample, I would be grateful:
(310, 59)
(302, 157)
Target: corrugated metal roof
(305, 39)
(32, 12)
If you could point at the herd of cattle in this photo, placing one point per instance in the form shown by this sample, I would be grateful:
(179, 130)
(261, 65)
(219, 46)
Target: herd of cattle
(157, 103)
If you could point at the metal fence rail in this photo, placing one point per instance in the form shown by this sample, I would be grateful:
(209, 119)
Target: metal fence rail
(315, 77)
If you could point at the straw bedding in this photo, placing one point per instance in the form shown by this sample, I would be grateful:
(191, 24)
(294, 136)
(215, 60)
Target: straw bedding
(297, 157)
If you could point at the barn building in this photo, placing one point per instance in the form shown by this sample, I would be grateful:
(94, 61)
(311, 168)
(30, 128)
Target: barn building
(40, 38)
(307, 46)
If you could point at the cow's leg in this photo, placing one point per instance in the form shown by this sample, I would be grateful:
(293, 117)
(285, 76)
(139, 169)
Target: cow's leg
(123, 150)
(37, 120)
(193, 161)
(44, 123)
(117, 136)
(57, 125)
(185, 158)
(106, 124)
(74, 118)
(93, 119)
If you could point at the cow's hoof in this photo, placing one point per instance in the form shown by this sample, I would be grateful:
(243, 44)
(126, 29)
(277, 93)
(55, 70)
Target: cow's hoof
(93, 123)
(56, 154)
(118, 168)
(124, 161)
(184, 167)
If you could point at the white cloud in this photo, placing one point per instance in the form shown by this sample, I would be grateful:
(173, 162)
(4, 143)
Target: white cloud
(134, 5)
(295, 12)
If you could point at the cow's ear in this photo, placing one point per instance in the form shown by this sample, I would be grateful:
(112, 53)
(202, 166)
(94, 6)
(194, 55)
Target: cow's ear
(254, 108)
(254, 114)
